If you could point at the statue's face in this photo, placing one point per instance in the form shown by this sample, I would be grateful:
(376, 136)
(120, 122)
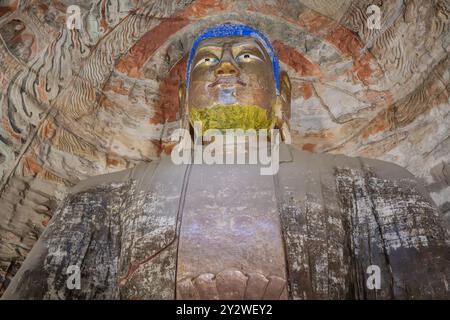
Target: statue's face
(232, 85)
(231, 71)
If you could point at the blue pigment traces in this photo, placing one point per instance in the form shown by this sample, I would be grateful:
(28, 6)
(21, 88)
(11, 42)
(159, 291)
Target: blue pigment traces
(227, 96)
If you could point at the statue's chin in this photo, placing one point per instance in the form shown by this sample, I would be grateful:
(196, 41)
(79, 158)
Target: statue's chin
(234, 116)
(227, 95)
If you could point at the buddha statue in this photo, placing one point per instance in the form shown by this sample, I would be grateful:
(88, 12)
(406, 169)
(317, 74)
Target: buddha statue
(319, 226)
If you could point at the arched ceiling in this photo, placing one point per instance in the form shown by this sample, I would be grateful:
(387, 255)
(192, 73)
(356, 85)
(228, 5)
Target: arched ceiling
(77, 103)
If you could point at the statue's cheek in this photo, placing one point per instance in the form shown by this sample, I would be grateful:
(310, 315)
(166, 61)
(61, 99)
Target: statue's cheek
(202, 96)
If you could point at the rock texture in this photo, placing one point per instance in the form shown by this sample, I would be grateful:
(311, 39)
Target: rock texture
(78, 103)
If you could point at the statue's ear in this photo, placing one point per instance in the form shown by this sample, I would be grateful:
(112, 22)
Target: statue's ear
(181, 101)
(285, 93)
(284, 107)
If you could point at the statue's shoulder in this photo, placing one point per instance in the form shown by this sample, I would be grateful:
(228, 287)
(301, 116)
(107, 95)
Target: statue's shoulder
(114, 180)
(381, 168)
(346, 169)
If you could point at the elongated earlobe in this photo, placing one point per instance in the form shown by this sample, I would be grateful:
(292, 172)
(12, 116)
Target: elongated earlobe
(182, 107)
(181, 101)
(285, 93)
(283, 108)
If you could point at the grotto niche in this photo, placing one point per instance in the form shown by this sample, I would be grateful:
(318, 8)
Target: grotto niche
(89, 116)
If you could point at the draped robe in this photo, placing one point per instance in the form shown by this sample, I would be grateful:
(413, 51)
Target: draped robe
(315, 230)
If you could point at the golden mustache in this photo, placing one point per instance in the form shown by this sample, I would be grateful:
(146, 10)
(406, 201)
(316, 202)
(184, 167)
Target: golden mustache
(227, 80)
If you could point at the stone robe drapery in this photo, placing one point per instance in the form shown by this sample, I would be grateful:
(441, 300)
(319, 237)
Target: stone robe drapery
(165, 231)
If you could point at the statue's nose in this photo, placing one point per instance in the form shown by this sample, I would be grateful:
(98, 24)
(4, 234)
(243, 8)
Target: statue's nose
(226, 68)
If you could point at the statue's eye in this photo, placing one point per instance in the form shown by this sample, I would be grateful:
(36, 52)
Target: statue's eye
(207, 61)
(247, 57)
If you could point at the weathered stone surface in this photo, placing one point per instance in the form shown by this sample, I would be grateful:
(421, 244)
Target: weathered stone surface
(135, 235)
(340, 215)
(79, 103)
(230, 228)
(108, 221)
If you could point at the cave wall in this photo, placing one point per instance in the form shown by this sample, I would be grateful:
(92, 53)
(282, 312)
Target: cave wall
(78, 103)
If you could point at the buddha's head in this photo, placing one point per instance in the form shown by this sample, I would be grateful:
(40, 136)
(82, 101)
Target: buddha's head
(233, 81)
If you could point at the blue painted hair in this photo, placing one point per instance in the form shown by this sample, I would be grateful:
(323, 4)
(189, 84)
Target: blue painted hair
(228, 30)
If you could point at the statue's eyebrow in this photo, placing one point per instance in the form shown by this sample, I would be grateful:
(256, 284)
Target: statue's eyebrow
(212, 47)
(253, 44)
